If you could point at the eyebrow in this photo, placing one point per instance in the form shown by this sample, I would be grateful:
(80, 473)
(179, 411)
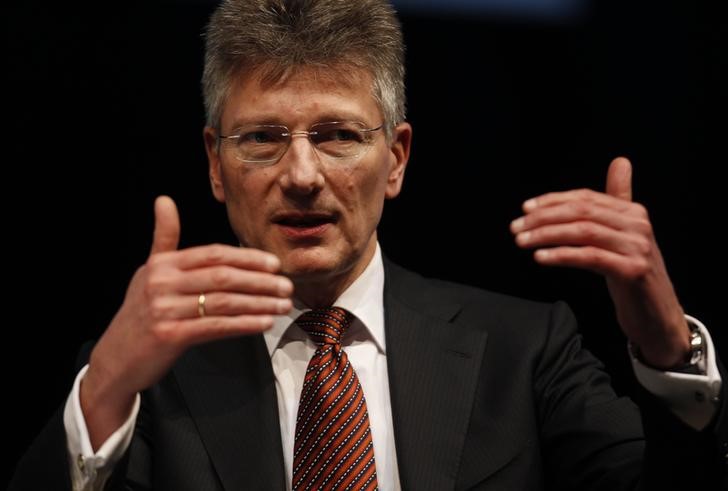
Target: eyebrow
(275, 119)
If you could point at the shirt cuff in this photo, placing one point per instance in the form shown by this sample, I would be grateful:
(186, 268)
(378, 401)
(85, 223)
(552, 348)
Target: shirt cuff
(89, 470)
(693, 398)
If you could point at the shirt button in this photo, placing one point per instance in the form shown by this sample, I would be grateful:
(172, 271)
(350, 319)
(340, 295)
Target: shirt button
(81, 463)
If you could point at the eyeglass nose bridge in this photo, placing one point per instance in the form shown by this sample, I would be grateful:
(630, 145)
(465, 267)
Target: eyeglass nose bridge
(290, 135)
(300, 133)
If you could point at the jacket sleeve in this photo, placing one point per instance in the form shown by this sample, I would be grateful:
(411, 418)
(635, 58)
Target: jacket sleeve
(46, 463)
(593, 439)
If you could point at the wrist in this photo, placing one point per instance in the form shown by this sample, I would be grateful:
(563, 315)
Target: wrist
(685, 354)
(104, 408)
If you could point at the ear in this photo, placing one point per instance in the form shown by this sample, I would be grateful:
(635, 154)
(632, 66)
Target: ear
(213, 160)
(399, 156)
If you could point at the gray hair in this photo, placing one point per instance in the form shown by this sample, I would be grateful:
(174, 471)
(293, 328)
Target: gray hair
(278, 36)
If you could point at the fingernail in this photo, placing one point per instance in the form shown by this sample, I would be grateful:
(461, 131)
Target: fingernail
(284, 306)
(542, 254)
(523, 237)
(285, 287)
(517, 225)
(530, 205)
(272, 262)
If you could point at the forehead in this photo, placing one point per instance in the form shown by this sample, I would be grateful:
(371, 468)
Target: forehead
(302, 96)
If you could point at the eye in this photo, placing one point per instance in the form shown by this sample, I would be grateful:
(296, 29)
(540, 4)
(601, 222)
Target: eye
(258, 137)
(343, 134)
(336, 133)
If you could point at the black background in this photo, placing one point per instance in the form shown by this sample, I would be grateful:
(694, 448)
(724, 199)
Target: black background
(105, 113)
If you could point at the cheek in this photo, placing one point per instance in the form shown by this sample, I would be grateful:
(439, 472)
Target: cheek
(364, 189)
(246, 185)
(246, 193)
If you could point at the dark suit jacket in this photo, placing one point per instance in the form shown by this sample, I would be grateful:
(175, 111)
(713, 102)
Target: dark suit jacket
(488, 392)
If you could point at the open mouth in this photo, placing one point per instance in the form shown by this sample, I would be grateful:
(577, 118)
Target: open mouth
(304, 224)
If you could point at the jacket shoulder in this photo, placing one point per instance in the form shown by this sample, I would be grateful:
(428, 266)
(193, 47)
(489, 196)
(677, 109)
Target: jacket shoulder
(427, 294)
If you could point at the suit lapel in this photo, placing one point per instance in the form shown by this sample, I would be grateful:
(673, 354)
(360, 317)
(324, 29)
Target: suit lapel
(433, 366)
(229, 388)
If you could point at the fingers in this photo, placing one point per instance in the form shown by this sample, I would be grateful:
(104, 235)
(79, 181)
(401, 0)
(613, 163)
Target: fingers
(242, 292)
(217, 255)
(603, 232)
(223, 279)
(598, 260)
(586, 196)
(187, 332)
(615, 240)
(583, 233)
(218, 304)
(217, 267)
(619, 179)
(621, 216)
(166, 225)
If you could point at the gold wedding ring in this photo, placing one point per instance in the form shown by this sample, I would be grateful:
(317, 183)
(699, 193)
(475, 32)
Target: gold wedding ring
(201, 305)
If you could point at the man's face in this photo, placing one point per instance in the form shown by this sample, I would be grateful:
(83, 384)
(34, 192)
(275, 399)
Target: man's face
(317, 214)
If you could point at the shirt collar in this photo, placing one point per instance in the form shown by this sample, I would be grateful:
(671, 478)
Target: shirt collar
(364, 298)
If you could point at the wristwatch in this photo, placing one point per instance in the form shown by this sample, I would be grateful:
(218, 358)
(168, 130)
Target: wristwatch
(694, 360)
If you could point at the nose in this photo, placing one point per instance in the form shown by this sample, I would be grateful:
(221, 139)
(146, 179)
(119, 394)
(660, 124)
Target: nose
(301, 167)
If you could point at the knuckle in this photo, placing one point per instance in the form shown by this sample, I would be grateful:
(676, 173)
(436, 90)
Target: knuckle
(640, 210)
(167, 332)
(643, 246)
(214, 254)
(158, 309)
(586, 211)
(587, 231)
(643, 267)
(221, 277)
(220, 303)
(154, 261)
(580, 209)
(637, 269)
(154, 284)
(584, 194)
(645, 227)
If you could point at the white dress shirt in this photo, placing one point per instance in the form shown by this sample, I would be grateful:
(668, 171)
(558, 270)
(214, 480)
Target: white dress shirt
(291, 349)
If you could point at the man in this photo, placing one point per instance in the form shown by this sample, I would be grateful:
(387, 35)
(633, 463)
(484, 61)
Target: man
(306, 137)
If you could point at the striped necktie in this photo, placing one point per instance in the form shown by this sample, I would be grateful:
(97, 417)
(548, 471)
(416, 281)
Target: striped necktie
(333, 444)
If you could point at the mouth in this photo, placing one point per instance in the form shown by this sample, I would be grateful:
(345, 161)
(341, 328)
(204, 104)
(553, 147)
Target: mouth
(298, 224)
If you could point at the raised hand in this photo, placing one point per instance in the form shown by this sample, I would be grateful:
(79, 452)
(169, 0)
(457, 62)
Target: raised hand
(609, 234)
(160, 316)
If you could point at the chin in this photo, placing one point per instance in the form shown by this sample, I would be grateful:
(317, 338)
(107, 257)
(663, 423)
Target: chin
(312, 264)
(309, 274)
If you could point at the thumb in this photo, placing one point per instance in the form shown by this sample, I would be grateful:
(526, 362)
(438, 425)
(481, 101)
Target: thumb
(619, 179)
(166, 225)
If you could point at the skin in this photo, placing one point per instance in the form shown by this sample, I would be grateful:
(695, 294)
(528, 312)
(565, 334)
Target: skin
(351, 192)
(246, 286)
(609, 234)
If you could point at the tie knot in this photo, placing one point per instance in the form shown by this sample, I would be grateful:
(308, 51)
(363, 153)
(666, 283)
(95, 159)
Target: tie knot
(325, 326)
